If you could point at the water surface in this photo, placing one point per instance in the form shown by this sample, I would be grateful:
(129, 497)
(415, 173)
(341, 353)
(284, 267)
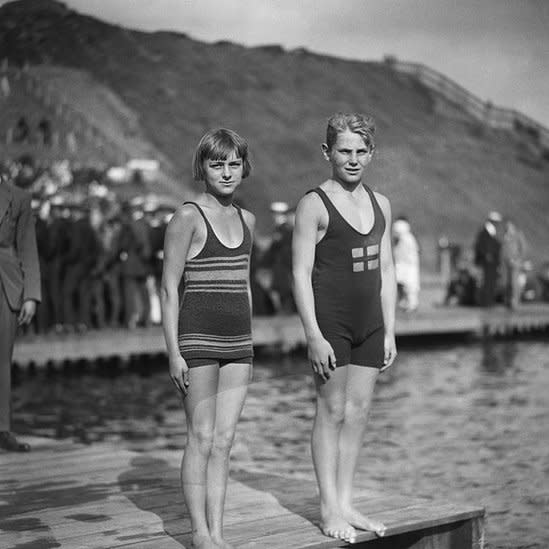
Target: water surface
(467, 423)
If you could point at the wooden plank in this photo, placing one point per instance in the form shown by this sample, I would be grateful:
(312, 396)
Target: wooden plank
(282, 531)
(111, 502)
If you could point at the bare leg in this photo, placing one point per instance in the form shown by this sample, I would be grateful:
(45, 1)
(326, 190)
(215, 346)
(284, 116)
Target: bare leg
(360, 387)
(231, 393)
(330, 409)
(200, 404)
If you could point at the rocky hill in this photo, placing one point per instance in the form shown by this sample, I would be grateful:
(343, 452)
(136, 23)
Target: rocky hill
(437, 164)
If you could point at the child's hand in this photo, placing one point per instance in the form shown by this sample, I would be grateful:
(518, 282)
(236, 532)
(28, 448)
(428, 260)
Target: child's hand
(179, 372)
(321, 357)
(390, 351)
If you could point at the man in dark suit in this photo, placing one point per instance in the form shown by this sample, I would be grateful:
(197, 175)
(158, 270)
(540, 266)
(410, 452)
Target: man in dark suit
(487, 257)
(19, 291)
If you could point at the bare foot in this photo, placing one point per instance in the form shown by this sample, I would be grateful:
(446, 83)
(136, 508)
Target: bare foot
(336, 527)
(203, 542)
(362, 522)
(220, 543)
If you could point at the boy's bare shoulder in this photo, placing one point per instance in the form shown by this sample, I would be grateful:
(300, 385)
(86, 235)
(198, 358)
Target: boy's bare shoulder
(384, 204)
(310, 201)
(382, 199)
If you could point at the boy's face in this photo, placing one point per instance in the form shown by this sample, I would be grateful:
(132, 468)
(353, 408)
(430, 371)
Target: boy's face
(223, 177)
(349, 156)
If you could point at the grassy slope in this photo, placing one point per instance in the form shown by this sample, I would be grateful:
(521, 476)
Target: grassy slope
(436, 165)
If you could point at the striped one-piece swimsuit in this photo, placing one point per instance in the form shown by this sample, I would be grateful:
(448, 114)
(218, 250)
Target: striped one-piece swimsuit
(215, 313)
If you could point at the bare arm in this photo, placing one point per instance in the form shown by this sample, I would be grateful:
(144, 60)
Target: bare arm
(388, 285)
(321, 354)
(179, 235)
(249, 218)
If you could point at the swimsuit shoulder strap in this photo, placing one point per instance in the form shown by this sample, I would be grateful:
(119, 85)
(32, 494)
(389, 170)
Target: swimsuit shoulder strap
(245, 228)
(379, 216)
(324, 197)
(201, 211)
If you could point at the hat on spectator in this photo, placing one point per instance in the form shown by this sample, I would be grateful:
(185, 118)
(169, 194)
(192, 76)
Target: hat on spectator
(279, 207)
(57, 200)
(401, 226)
(495, 216)
(137, 201)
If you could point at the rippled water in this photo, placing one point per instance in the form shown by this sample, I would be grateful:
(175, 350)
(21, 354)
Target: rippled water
(467, 422)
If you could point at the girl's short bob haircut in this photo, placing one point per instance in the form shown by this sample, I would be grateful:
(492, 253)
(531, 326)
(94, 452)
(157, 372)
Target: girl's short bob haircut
(219, 144)
(361, 124)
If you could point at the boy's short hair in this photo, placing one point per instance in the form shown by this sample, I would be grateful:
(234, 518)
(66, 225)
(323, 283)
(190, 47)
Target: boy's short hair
(362, 124)
(218, 144)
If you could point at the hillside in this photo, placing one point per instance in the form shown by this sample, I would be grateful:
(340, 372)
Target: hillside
(438, 165)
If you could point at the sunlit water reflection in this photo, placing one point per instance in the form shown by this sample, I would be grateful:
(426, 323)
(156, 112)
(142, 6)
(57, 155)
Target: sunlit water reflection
(468, 423)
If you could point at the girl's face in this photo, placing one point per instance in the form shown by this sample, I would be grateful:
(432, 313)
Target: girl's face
(349, 156)
(223, 177)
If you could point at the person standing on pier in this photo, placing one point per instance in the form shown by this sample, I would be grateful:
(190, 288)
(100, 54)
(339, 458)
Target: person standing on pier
(19, 291)
(345, 291)
(208, 333)
(488, 257)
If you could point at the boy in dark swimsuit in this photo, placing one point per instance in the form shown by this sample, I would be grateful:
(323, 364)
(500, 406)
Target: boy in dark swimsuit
(345, 293)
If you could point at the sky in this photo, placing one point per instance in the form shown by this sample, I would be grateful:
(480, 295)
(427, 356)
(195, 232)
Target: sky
(497, 49)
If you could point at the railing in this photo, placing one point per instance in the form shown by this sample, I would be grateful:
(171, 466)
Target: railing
(485, 111)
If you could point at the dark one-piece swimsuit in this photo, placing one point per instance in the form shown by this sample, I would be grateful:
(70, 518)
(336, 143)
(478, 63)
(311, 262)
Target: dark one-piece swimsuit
(346, 283)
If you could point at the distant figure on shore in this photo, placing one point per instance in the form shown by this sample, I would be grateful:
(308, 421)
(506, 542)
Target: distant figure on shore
(5, 88)
(44, 129)
(462, 287)
(208, 334)
(135, 254)
(21, 133)
(345, 292)
(406, 256)
(72, 144)
(488, 257)
(278, 258)
(513, 250)
(19, 291)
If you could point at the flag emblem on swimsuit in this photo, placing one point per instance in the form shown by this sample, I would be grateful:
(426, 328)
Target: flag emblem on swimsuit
(370, 253)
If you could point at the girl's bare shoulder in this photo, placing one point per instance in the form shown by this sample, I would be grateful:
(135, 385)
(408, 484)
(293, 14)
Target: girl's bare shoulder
(249, 218)
(184, 218)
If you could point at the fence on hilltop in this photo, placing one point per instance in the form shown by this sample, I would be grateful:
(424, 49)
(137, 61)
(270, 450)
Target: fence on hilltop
(484, 111)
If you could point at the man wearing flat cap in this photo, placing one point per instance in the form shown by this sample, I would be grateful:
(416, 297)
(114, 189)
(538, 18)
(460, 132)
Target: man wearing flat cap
(19, 291)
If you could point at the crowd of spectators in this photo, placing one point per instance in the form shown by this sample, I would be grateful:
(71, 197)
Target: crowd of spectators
(100, 255)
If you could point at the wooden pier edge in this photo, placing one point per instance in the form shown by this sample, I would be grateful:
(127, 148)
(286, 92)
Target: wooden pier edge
(418, 526)
(461, 534)
(283, 331)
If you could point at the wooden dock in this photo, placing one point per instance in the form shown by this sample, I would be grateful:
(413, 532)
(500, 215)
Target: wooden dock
(284, 331)
(71, 496)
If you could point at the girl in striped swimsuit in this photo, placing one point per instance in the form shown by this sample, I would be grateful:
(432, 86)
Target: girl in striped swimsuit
(207, 325)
